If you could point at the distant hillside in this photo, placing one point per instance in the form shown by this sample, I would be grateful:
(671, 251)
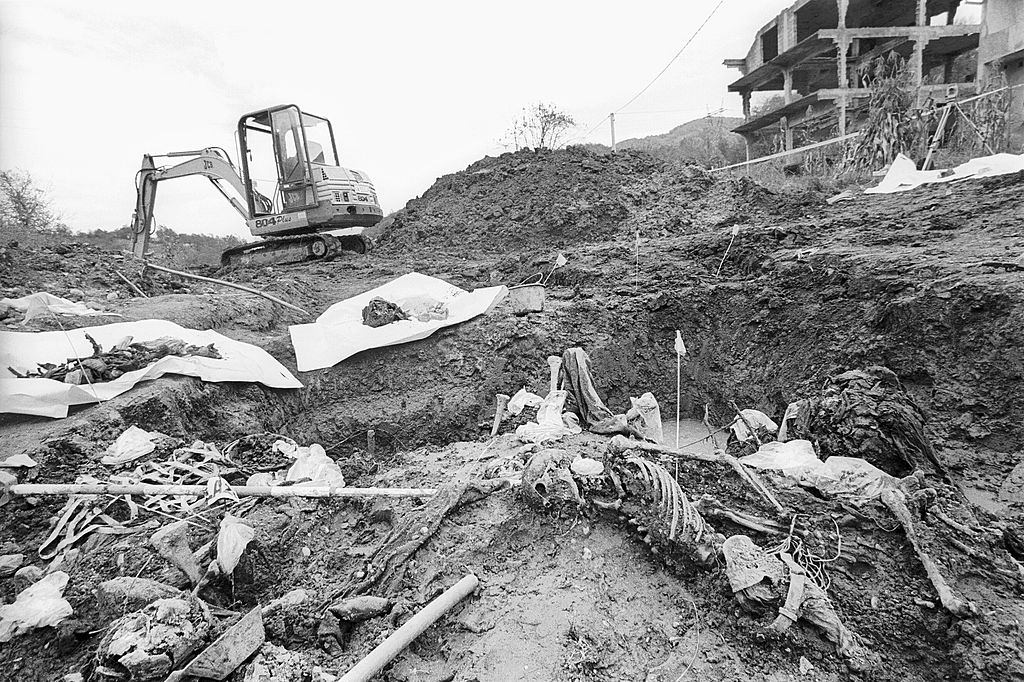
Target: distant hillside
(706, 141)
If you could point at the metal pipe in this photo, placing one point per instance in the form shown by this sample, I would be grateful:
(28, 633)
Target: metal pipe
(32, 489)
(387, 650)
(211, 280)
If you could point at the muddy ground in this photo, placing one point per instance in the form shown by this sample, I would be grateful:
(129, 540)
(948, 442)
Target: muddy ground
(928, 283)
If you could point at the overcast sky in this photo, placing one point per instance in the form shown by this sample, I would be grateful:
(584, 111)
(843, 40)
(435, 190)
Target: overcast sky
(414, 89)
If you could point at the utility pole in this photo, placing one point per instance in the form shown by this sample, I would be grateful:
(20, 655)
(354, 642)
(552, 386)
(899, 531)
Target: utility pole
(611, 117)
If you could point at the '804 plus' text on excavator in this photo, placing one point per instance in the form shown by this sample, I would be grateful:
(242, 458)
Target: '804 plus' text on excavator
(296, 197)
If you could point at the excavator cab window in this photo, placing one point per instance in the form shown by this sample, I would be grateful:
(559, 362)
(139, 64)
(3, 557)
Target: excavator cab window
(286, 143)
(319, 140)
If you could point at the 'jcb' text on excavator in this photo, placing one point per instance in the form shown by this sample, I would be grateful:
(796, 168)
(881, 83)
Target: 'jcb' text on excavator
(296, 197)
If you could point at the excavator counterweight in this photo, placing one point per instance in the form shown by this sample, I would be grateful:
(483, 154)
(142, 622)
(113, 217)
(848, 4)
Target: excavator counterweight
(289, 188)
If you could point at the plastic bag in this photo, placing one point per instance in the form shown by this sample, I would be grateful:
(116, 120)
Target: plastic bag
(792, 458)
(522, 399)
(129, 446)
(645, 417)
(232, 540)
(850, 477)
(423, 308)
(757, 419)
(312, 466)
(549, 425)
(37, 606)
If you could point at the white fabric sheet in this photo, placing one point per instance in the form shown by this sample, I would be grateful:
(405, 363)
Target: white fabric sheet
(43, 303)
(49, 398)
(339, 332)
(903, 174)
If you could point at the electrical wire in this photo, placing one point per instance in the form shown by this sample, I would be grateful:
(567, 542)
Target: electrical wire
(660, 73)
(674, 58)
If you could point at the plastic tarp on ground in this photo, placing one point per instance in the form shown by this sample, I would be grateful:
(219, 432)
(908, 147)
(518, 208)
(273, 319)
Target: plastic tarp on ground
(48, 398)
(847, 477)
(43, 303)
(339, 332)
(903, 174)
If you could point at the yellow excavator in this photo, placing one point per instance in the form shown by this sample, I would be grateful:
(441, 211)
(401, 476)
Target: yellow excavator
(294, 195)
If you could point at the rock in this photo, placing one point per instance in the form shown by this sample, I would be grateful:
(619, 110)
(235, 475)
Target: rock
(1013, 486)
(276, 664)
(9, 563)
(171, 542)
(412, 668)
(143, 645)
(132, 593)
(29, 573)
(112, 296)
(356, 609)
(76, 294)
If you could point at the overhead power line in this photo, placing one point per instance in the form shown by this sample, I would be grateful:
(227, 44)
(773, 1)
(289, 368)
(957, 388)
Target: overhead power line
(674, 58)
(660, 73)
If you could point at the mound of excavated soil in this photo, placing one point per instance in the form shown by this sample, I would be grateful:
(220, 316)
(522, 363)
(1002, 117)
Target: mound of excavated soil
(544, 200)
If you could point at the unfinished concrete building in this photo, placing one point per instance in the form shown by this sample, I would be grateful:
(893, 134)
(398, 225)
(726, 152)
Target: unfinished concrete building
(813, 50)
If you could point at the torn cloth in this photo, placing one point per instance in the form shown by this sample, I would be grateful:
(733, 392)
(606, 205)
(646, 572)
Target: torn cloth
(576, 379)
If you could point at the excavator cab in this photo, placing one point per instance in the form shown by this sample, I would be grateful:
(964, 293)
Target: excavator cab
(290, 167)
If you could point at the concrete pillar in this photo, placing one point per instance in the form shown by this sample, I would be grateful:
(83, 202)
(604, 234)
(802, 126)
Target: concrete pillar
(745, 94)
(842, 75)
(917, 67)
(787, 85)
(787, 132)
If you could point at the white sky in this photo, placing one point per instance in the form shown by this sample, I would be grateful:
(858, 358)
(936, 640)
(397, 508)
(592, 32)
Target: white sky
(414, 89)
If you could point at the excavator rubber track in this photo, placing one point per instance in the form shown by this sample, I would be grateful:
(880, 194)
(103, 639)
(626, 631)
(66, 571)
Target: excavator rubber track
(298, 248)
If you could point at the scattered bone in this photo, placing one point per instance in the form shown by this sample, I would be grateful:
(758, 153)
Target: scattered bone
(555, 366)
(896, 501)
(356, 609)
(126, 593)
(620, 444)
(500, 403)
(171, 542)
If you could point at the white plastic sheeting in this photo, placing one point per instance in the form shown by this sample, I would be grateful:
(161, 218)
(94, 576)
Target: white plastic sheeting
(846, 477)
(232, 539)
(48, 398)
(43, 303)
(339, 332)
(129, 446)
(903, 174)
(757, 419)
(39, 605)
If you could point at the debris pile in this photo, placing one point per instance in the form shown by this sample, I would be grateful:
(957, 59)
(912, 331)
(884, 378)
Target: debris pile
(124, 356)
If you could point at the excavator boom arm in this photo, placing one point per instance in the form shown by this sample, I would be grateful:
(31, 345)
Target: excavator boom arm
(210, 162)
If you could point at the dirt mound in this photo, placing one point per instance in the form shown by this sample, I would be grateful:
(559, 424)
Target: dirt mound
(545, 200)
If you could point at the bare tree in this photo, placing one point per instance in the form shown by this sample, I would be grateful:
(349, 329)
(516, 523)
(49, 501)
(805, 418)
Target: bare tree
(541, 126)
(24, 204)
